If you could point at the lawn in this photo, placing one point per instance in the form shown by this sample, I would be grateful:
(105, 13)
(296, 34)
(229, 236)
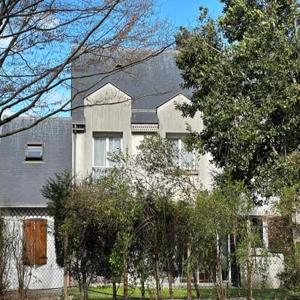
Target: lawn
(102, 293)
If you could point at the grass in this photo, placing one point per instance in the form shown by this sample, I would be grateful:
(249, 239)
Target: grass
(105, 292)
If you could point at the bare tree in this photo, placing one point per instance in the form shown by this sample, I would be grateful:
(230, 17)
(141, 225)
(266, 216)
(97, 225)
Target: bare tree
(4, 257)
(22, 271)
(39, 40)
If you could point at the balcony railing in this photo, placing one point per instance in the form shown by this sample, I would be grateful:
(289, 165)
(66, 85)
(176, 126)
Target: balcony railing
(99, 172)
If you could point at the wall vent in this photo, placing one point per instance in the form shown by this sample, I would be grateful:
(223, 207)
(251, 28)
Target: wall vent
(78, 128)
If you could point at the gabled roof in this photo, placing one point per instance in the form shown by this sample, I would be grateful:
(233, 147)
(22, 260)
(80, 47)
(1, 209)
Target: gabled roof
(149, 84)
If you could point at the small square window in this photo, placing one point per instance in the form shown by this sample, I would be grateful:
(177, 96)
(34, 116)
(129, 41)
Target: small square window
(34, 152)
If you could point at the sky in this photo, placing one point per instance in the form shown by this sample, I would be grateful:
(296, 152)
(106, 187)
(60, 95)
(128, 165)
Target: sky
(178, 13)
(185, 12)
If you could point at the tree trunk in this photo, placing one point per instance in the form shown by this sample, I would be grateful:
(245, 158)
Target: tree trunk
(196, 286)
(249, 263)
(66, 266)
(114, 285)
(143, 286)
(189, 274)
(219, 272)
(84, 287)
(125, 280)
(157, 278)
(249, 281)
(220, 285)
(21, 279)
(170, 281)
(81, 292)
(85, 290)
(234, 259)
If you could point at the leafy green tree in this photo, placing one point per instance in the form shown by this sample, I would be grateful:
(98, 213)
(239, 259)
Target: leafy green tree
(213, 219)
(244, 70)
(156, 179)
(287, 183)
(57, 190)
(91, 224)
(87, 220)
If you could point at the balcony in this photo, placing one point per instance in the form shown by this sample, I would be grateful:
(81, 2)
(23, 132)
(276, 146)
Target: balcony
(98, 172)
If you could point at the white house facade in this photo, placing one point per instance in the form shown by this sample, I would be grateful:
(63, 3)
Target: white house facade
(115, 113)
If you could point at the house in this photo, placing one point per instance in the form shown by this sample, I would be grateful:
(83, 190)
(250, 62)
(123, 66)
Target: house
(110, 113)
(144, 99)
(27, 161)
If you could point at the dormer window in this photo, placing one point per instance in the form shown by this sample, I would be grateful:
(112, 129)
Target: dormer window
(34, 152)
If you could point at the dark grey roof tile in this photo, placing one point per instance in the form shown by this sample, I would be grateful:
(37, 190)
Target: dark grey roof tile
(21, 181)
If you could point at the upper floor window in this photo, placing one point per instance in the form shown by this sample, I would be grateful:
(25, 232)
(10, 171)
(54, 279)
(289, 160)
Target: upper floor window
(34, 152)
(186, 158)
(104, 146)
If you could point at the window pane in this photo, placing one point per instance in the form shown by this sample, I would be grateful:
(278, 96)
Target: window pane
(175, 143)
(257, 226)
(100, 152)
(187, 157)
(280, 235)
(34, 152)
(114, 147)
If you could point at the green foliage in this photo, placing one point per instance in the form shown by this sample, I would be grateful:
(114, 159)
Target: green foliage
(214, 217)
(57, 190)
(105, 292)
(156, 180)
(244, 70)
(291, 274)
(92, 222)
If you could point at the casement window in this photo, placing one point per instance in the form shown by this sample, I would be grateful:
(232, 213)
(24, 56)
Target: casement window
(104, 146)
(280, 235)
(186, 158)
(35, 242)
(204, 276)
(257, 228)
(34, 152)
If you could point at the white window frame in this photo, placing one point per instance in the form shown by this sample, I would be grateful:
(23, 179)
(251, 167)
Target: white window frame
(180, 138)
(106, 137)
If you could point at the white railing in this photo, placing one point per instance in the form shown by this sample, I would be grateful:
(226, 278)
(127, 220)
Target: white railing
(99, 172)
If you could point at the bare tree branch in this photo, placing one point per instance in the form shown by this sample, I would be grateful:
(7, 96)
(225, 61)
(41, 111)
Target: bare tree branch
(36, 38)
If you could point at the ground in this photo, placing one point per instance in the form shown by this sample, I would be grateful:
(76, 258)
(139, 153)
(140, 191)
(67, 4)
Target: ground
(180, 293)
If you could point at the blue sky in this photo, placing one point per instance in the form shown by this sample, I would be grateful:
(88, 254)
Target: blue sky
(185, 12)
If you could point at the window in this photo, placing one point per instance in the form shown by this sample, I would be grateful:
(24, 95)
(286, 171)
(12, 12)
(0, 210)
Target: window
(104, 146)
(186, 158)
(35, 241)
(280, 235)
(34, 152)
(257, 228)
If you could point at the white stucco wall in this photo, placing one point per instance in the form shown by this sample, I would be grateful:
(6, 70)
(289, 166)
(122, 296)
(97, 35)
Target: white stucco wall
(171, 121)
(117, 118)
(112, 117)
(48, 276)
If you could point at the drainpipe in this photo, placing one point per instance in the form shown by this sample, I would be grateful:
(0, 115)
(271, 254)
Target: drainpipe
(74, 153)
